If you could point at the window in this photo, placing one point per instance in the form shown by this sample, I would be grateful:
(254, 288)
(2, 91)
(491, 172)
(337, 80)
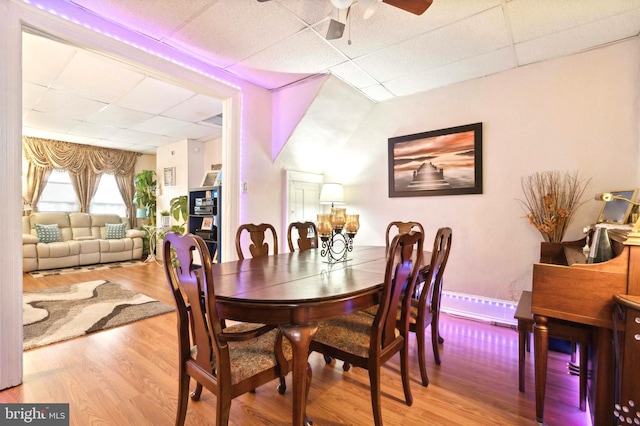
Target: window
(58, 194)
(107, 198)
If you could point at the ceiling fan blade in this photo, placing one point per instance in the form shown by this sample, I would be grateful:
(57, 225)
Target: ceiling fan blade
(417, 7)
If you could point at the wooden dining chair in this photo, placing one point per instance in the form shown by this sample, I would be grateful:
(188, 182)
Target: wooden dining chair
(307, 236)
(368, 341)
(425, 301)
(257, 233)
(398, 227)
(228, 361)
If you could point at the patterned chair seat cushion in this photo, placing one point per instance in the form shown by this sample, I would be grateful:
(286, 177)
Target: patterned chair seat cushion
(252, 356)
(348, 333)
(413, 312)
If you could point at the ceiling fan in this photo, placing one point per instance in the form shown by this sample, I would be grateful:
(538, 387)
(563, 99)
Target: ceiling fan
(336, 26)
(417, 7)
(369, 7)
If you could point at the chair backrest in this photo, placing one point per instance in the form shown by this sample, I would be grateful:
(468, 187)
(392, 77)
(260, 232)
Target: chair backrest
(397, 227)
(307, 235)
(404, 258)
(258, 246)
(193, 291)
(432, 290)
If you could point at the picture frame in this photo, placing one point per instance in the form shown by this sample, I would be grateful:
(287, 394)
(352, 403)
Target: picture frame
(207, 223)
(169, 176)
(212, 178)
(617, 211)
(439, 162)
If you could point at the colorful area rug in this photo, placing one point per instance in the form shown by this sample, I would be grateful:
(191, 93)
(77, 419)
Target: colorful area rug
(87, 268)
(60, 313)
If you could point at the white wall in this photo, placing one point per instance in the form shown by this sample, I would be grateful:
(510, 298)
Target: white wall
(576, 113)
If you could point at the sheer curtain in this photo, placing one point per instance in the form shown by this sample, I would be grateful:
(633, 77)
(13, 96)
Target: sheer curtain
(85, 165)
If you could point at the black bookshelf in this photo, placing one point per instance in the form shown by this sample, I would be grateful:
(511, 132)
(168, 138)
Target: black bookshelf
(205, 217)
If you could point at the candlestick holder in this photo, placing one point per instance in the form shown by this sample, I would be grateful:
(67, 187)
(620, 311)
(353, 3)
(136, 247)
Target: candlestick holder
(337, 231)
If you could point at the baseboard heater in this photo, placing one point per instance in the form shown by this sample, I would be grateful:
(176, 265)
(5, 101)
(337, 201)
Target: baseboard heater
(498, 312)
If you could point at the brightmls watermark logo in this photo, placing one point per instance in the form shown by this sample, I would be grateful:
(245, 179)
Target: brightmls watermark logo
(34, 414)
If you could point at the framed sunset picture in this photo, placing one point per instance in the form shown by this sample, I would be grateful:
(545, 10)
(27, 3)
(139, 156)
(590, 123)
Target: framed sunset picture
(439, 162)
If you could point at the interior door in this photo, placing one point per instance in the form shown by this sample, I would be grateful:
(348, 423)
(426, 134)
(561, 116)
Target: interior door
(302, 195)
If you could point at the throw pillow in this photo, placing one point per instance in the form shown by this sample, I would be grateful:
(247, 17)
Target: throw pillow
(115, 231)
(48, 233)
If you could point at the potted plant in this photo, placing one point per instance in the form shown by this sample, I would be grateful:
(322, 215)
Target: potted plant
(165, 216)
(179, 207)
(145, 195)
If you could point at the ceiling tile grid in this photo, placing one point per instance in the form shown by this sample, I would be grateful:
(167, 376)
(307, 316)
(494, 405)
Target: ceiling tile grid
(279, 42)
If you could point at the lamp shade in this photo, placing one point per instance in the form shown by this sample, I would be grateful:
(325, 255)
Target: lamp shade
(332, 193)
(342, 4)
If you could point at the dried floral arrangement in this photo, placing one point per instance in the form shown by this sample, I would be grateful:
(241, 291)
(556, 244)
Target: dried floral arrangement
(551, 199)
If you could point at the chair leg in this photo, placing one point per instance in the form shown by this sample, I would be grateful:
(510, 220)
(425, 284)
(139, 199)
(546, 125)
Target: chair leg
(282, 386)
(404, 370)
(183, 400)
(223, 409)
(195, 395)
(421, 355)
(523, 336)
(376, 403)
(435, 338)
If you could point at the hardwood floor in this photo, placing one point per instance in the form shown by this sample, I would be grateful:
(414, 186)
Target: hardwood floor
(127, 376)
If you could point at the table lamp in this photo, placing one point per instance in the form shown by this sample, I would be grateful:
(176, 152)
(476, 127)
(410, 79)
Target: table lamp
(633, 237)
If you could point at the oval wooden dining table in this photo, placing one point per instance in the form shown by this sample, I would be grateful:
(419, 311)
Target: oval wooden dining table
(295, 291)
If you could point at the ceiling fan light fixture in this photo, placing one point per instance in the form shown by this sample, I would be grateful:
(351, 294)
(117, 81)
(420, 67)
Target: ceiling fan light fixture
(342, 4)
(370, 7)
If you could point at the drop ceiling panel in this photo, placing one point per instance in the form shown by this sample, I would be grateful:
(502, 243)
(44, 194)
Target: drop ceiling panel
(76, 107)
(162, 18)
(92, 131)
(195, 109)
(482, 33)
(119, 117)
(196, 131)
(353, 74)
(304, 52)
(154, 96)
(106, 81)
(160, 125)
(579, 38)
(46, 59)
(531, 20)
(31, 94)
(51, 122)
(232, 30)
(468, 69)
